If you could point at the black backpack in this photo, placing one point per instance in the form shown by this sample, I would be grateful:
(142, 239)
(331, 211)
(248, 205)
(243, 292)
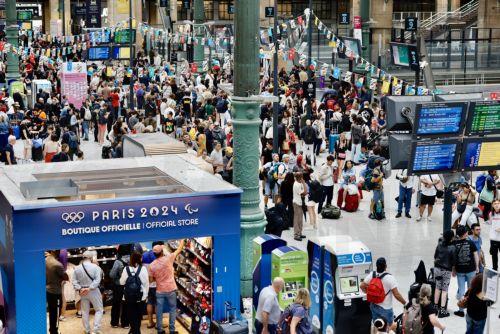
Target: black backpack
(132, 288)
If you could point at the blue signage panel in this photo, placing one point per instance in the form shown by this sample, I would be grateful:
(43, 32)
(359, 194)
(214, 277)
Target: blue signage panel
(481, 154)
(344, 19)
(328, 296)
(440, 118)
(315, 286)
(99, 53)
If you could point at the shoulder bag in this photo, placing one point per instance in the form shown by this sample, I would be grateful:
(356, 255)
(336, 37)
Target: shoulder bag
(439, 192)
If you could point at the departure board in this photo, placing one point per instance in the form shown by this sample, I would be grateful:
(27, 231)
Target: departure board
(99, 53)
(481, 154)
(484, 118)
(439, 118)
(437, 156)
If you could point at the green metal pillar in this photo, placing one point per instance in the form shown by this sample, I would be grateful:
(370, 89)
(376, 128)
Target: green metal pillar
(246, 124)
(199, 31)
(364, 9)
(11, 30)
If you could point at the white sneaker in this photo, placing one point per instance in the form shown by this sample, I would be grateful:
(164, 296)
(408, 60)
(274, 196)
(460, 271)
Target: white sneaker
(419, 218)
(429, 219)
(62, 318)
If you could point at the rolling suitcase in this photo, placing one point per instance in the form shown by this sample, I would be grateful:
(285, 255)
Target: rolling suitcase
(351, 201)
(331, 142)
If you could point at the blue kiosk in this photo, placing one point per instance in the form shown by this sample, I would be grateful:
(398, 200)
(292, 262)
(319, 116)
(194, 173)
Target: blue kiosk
(91, 203)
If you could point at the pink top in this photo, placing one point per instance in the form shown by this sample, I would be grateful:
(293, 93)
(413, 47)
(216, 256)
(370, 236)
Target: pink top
(162, 270)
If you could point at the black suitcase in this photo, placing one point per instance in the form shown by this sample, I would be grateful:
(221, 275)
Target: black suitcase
(237, 327)
(37, 153)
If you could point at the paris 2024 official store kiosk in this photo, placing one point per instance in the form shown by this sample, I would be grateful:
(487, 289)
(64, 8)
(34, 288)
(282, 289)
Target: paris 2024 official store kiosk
(77, 204)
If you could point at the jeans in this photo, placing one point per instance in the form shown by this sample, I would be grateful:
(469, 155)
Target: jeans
(474, 326)
(85, 127)
(378, 195)
(356, 152)
(404, 198)
(326, 194)
(118, 310)
(170, 299)
(380, 312)
(259, 327)
(54, 302)
(317, 145)
(134, 312)
(461, 279)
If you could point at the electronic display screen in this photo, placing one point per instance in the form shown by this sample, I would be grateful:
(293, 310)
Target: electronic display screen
(484, 118)
(349, 284)
(400, 55)
(123, 36)
(99, 53)
(435, 156)
(352, 44)
(121, 52)
(439, 119)
(481, 154)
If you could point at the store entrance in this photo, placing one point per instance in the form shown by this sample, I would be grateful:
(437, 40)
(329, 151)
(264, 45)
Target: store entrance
(192, 274)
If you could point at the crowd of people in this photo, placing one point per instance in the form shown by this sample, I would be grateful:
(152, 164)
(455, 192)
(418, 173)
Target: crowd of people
(347, 125)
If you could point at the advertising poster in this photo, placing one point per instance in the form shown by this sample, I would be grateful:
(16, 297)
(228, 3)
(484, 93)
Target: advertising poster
(74, 82)
(314, 288)
(328, 296)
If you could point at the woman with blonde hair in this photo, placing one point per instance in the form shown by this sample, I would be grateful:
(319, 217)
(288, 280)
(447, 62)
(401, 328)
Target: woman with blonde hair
(429, 313)
(301, 321)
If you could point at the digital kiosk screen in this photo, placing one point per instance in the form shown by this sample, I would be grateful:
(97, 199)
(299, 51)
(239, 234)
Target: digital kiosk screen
(481, 154)
(440, 118)
(99, 53)
(484, 118)
(349, 284)
(437, 156)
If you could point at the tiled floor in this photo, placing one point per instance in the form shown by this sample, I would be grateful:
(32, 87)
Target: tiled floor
(402, 241)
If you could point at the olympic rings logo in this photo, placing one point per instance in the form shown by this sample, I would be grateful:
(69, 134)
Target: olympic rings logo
(73, 217)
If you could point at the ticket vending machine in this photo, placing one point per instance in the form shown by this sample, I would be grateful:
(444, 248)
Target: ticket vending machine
(290, 263)
(262, 248)
(316, 251)
(345, 309)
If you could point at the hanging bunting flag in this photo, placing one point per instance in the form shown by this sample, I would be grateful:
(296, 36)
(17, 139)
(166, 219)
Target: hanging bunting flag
(373, 84)
(385, 87)
(360, 81)
(410, 90)
(396, 89)
(348, 76)
(336, 73)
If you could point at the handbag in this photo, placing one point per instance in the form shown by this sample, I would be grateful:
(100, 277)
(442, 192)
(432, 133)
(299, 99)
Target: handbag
(461, 207)
(486, 195)
(439, 192)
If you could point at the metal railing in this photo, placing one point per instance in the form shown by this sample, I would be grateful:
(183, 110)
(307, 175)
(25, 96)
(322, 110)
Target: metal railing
(440, 18)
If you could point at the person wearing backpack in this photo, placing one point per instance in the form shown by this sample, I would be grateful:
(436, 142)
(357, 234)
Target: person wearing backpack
(421, 315)
(377, 202)
(86, 280)
(487, 194)
(118, 310)
(380, 287)
(308, 135)
(443, 264)
(300, 321)
(71, 139)
(162, 272)
(268, 311)
(136, 287)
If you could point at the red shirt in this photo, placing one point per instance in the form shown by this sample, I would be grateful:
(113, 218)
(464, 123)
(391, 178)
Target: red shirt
(162, 270)
(115, 99)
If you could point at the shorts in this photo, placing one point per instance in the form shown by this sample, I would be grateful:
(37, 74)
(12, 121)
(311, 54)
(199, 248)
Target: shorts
(443, 278)
(427, 200)
(27, 143)
(152, 296)
(267, 189)
(378, 312)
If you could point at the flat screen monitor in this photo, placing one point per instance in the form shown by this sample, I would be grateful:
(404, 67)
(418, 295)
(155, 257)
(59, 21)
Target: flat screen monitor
(434, 156)
(480, 154)
(98, 53)
(352, 44)
(121, 52)
(435, 119)
(349, 284)
(123, 36)
(484, 118)
(405, 55)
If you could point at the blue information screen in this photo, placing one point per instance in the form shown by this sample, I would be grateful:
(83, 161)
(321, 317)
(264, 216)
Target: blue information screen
(99, 53)
(434, 157)
(481, 154)
(434, 119)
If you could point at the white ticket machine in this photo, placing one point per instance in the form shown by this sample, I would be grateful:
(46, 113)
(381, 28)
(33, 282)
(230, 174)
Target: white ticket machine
(345, 309)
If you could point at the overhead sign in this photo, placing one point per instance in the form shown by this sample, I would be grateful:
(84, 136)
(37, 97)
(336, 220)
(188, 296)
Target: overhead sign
(405, 55)
(344, 19)
(480, 154)
(357, 22)
(494, 96)
(186, 4)
(484, 118)
(24, 15)
(269, 11)
(80, 10)
(440, 119)
(411, 24)
(434, 157)
(230, 8)
(123, 36)
(93, 12)
(309, 88)
(164, 3)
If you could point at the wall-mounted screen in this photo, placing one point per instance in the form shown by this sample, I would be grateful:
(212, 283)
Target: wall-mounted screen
(434, 119)
(480, 154)
(484, 118)
(434, 156)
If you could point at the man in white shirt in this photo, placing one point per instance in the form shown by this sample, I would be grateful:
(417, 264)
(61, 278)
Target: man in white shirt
(217, 159)
(428, 193)
(495, 233)
(268, 311)
(299, 190)
(405, 192)
(326, 179)
(383, 310)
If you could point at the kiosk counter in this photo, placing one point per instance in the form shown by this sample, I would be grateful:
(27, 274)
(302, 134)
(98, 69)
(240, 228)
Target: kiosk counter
(91, 203)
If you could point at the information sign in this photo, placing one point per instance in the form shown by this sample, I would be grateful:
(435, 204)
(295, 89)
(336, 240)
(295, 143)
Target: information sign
(99, 53)
(434, 156)
(123, 36)
(480, 154)
(411, 24)
(344, 19)
(164, 3)
(484, 118)
(439, 119)
(490, 285)
(309, 88)
(269, 11)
